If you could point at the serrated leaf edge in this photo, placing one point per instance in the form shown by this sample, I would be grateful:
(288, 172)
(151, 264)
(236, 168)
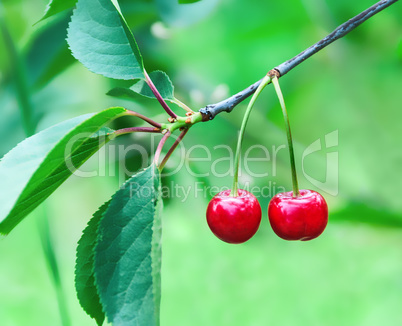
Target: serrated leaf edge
(154, 168)
(101, 209)
(128, 33)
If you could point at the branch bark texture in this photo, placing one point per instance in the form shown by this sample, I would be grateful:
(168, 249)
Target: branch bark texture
(210, 111)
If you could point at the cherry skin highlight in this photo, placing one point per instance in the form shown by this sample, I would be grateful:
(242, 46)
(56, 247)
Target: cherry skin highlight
(298, 218)
(234, 219)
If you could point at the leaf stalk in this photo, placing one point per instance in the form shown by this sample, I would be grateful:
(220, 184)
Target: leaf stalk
(158, 96)
(136, 129)
(143, 117)
(160, 146)
(171, 150)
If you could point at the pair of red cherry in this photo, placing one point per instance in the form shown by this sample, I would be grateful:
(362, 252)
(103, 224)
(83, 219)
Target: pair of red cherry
(296, 215)
(236, 219)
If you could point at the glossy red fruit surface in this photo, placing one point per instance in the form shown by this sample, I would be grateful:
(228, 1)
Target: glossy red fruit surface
(298, 218)
(234, 219)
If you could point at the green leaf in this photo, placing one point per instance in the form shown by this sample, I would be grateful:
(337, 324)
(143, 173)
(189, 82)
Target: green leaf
(156, 255)
(368, 212)
(85, 286)
(56, 6)
(187, 1)
(100, 39)
(48, 54)
(128, 254)
(160, 79)
(38, 165)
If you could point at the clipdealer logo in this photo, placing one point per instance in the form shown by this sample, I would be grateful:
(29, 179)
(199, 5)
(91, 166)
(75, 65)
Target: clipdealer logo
(331, 183)
(109, 156)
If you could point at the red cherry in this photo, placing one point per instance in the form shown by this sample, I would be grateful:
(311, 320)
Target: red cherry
(234, 219)
(298, 218)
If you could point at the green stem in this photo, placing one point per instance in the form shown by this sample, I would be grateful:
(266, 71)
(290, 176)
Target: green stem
(26, 109)
(265, 81)
(48, 250)
(182, 122)
(182, 105)
(289, 136)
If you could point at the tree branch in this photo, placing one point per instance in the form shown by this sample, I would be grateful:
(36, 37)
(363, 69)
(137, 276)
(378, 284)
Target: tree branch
(210, 111)
(339, 32)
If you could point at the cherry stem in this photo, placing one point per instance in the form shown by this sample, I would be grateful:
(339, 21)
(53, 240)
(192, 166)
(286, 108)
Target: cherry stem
(143, 117)
(160, 146)
(289, 136)
(136, 129)
(265, 81)
(158, 96)
(171, 150)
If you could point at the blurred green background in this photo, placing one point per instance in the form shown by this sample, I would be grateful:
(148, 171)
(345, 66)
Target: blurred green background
(351, 275)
